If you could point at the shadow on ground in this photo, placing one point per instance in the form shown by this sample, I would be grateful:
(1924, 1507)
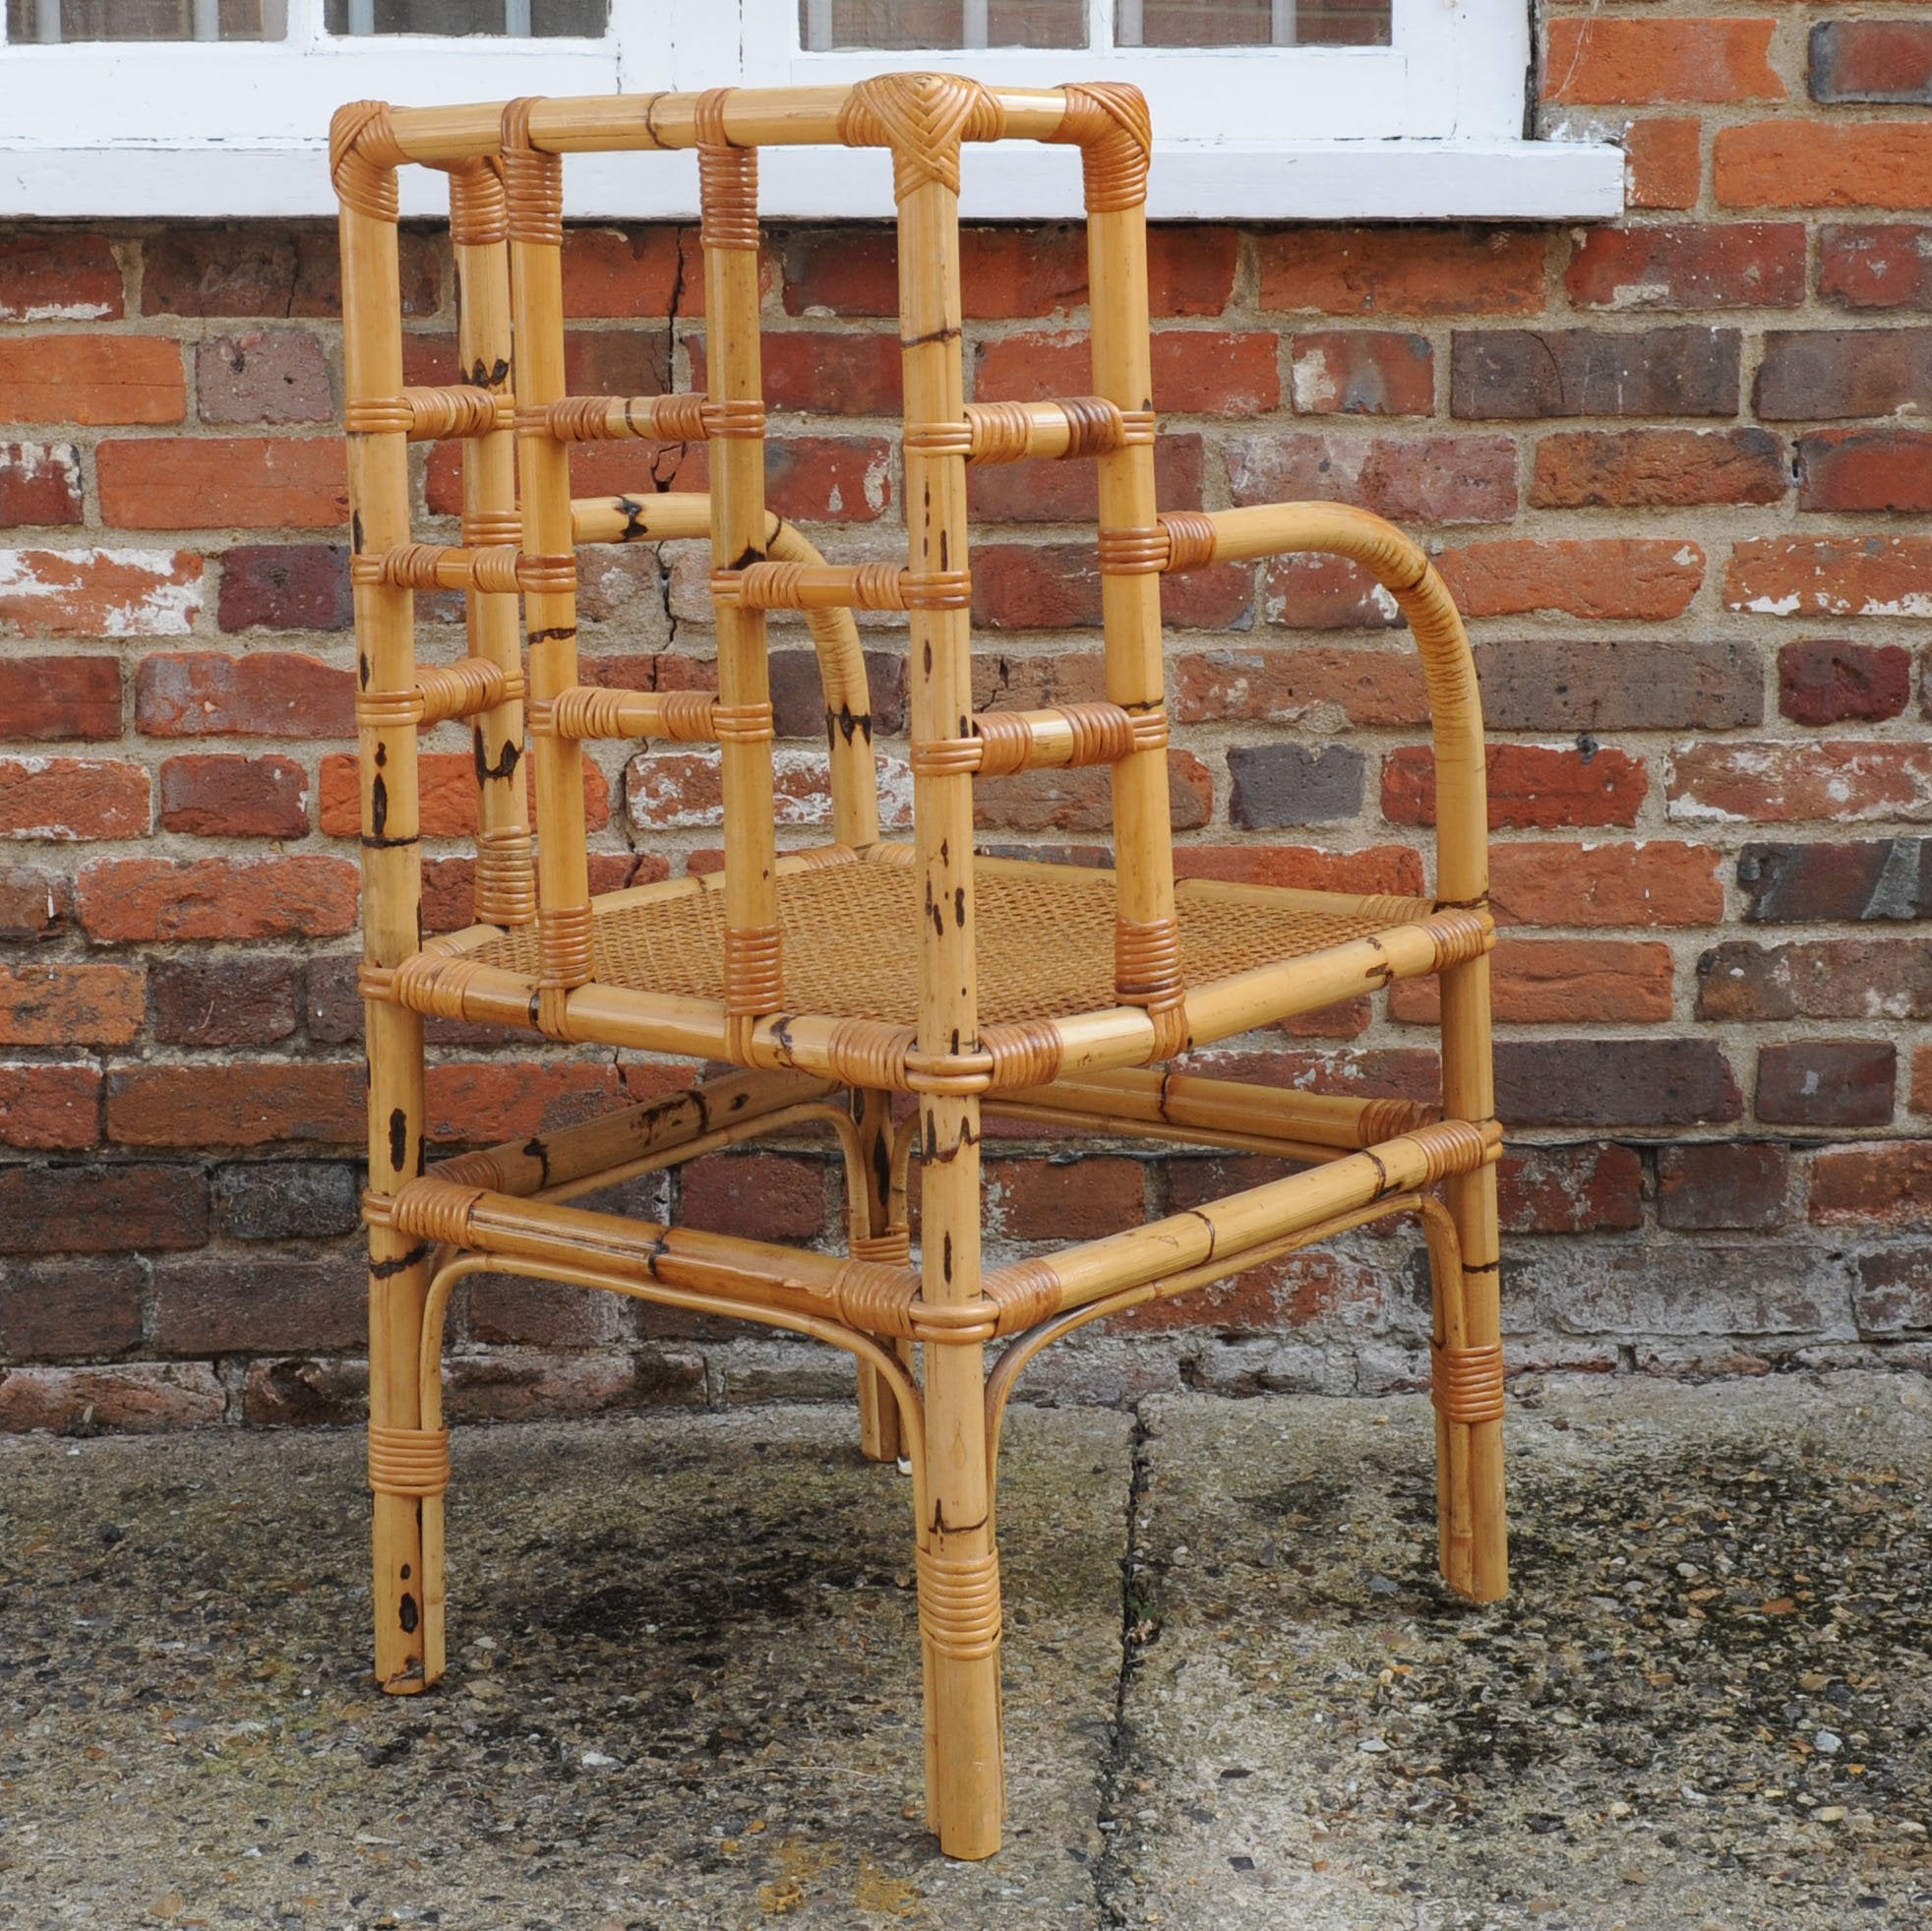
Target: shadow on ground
(684, 1686)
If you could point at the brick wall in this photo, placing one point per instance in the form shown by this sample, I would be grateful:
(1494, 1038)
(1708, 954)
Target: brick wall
(1670, 465)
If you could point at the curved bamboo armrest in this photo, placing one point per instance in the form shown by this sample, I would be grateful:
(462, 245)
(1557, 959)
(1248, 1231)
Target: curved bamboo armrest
(1196, 538)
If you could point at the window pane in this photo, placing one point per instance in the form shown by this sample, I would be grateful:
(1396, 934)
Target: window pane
(910, 25)
(1255, 23)
(55, 21)
(542, 20)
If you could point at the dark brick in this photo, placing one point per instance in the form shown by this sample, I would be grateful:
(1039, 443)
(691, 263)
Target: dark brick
(265, 375)
(1056, 586)
(1889, 878)
(1827, 1083)
(263, 1304)
(1582, 1190)
(1326, 593)
(1066, 1199)
(798, 692)
(1894, 1293)
(1285, 784)
(287, 1199)
(66, 1307)
(270, 268)
(767, 1196)
(40, 484)
(54, 697)
(224, 1002)
(232, 797)
(332, 1006)
(286, 587)
(1887, 265)
(507, 1310)
(1520, 373)
(1822, 681)
(1865, 470)
(624, 362)
(306, 1394)
(1742, 1184)
(1753, 264)
(1627, 685)
(1615, 1082)
(1878, 62)
(1812, 375)
(1828, 979)
(101, 1209)
(1432, 479)
(33, 904)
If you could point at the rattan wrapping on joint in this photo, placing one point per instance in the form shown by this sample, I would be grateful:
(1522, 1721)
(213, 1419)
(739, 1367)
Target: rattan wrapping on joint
(870, 1054)
(468, 685)
(1109, 121)
(727, 179)
(1465, 1384)
(434, 984)
(850, 941)
(922, 118)
(492, 528)
(1094, 426)
(408, 1460)
(425, 415)
(960, 1604)
(532, 181)
(875, 1296)
(1453, 1146)
(995, 432)
(563, 945)
(433, 1209)
(477, 214)
(1459, 938)
(1023, 1053)
(939, 437)
(1026, 1294)
(506, 877)
(892, 1249)
(1190, 539)
(363, 156)
(741, 417)
(753, 970)
(936, 589)
(742, 724)
(1133, 552)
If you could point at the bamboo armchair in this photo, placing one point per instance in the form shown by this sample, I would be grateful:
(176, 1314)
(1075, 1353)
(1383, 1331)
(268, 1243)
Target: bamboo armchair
(838, 978)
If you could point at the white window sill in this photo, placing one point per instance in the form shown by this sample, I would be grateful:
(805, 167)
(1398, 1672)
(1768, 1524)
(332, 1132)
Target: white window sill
(1291, 181)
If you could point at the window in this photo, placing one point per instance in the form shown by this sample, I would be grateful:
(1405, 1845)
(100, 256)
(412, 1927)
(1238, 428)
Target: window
(1313, 109)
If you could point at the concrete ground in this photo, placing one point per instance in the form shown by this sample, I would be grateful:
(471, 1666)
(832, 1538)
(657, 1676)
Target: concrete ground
(685, 1682)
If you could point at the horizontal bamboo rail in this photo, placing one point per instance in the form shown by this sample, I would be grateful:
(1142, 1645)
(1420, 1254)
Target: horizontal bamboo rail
(498, 568)
(589, 710)
(441, 691)
(1032, 740)
(832, 586)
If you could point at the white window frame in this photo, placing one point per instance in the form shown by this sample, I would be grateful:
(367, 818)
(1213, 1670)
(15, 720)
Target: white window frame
(239, 129)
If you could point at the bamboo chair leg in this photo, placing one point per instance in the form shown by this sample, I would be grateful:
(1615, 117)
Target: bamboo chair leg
(879, 1410)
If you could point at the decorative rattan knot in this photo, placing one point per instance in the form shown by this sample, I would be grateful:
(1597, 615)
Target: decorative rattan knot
(1454, 1146)
(1026, 1294)
(1385, 1119)
(753, 974)
(727, 179)
(944, 757)
(363, 156)
(432, 1209)
(532, 181)
(740, 418)
(569, 419)
(1109, 120)
(1103, 734)
(1465, 1384)
(427, 984)
(892, 1249)
(875, 1296)
(1136, 427)
(922, 118)
(1024, 1053)
(1133, 552)
(506, 877)
(1460, 937)
(936, 589)
(998, 431)
(492, 528)
(681, 418)
(1094, 426)
(408, 1460)
(737, 724)
(949, 1074)
(1190, 539)
(478, 217)
(870, 1053)
(940, 439)
(378, 415)
(960, 1604)
(1005, 742)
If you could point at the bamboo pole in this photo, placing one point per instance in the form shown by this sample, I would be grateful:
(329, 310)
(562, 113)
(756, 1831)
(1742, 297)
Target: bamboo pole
(406, 1524)
(875, 1237)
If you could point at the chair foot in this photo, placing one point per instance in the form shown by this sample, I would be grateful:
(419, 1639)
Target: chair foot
(959, 1614)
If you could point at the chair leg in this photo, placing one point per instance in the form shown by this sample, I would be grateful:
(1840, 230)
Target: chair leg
(959, 1613)
(879, 1413)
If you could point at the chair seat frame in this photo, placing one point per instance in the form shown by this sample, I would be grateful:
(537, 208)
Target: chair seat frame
(888, 1087)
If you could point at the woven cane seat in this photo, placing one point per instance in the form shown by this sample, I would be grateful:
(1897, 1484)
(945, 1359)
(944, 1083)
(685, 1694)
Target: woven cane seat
(1045, 937)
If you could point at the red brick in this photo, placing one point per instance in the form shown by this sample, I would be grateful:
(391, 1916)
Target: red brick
(1865, 470)
(35, 903)
(1312, 592)
(1615, 1082)
(92, 378)
(765, 1196)
(1196, 371)
(58, 275)
(126, 1207)
(1580, 1189)
(1824, 164)
(226, 797)
(1752, 265)
(72, 1308)
(1880, 62)
(1829, 683)
(70, 1005)
(238, 1103)
(63, 697)
(1434, 479)
(1364, 1073)
(823, 372)
(1827, 1083)
(73, 798)
(1650, 468)
(1831, 576)
(1307, 867)
(217, 1305)
(1507, 375)
(503, 1098)
(286, 587)
(1403, 270)
(1361, 372)
(1054, 586)
(1731, 1185)
(1652, 883)
(1061, 799)
(214, 482)
(1886, 1185)
(1922, 1080)
(133, 1400)
(130, 899)
(275, 270)
(545, 1313)
(1068, 492)
(447, 781)
(629, 272)
(1809, 375)
(100, 593)
(1002, 271)
(40, 484)
(1825, 979)
(1190, 267)
(1367, 687)
(1646, 579)
(1663, 162)
(1642, 63)
(264, 695)
(1829, 782)
(1529, 785)
(830, 479)
(1559, 981)
(235, 1002)
(1885, 264)
(49, 1106)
